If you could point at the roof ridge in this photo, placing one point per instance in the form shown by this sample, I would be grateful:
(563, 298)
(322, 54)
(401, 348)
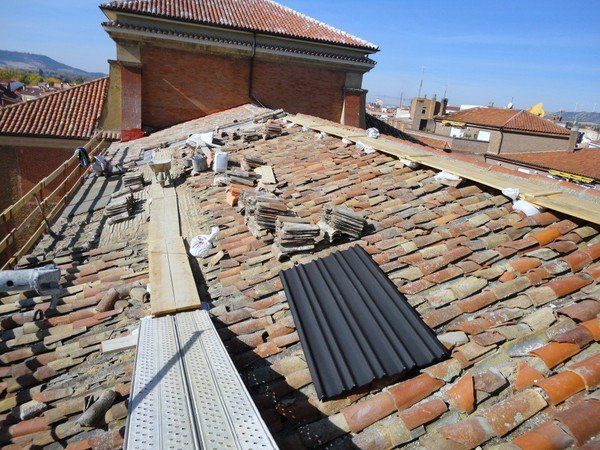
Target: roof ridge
(53, 93)
(206, 12)
(312, 19)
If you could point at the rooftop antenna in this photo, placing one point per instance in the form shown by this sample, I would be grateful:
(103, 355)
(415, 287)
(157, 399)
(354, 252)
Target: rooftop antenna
(421, 83)
(445, 91)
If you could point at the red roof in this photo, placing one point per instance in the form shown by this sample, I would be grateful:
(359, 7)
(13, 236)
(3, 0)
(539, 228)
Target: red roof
(263, 16)
(508, 119)
(71, 113)
(585, 162)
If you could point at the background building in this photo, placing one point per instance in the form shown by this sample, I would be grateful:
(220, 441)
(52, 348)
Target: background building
(38, 135)
(180, 63)
(498, 131)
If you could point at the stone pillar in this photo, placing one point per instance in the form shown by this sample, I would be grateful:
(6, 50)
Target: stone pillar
(131, 101)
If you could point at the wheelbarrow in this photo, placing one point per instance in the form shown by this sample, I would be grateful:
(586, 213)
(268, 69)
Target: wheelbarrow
(162, 170)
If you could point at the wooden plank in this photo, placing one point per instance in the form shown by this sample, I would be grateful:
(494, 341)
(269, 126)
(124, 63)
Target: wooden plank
(170, 245)
(162, 294)
(537, 194)
(184, 285)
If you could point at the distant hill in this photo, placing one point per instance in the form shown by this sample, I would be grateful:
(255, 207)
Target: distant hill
(582, 117)
(30, 62)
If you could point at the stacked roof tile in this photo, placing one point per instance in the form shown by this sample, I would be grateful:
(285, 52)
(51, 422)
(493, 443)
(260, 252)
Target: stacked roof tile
(263, 16)
(508, 119)
(71, 113)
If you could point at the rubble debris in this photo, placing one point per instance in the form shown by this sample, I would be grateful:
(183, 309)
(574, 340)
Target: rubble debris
(266, 174)
(294, 235)
(120, 343)
(338, 220)
(233, 193)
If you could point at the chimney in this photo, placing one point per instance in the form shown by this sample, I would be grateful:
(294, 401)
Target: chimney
(444, 106)
(573, 139)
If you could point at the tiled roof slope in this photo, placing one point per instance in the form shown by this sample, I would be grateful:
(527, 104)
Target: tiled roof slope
(508, 119)
(51, 361)
(71, 113)
(584, 162)
(514, 298)
(263, 16)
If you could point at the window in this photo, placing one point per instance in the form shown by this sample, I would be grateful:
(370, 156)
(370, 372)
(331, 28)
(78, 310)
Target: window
(484, 136)
(456, 132)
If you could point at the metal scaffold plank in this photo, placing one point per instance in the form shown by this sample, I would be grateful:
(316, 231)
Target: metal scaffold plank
(187, 393)
(159, 415)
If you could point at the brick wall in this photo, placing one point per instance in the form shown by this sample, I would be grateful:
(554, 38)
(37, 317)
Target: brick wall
(516, 143)
(37, 163)
(300, 89)
(178, 86)
(9, 168)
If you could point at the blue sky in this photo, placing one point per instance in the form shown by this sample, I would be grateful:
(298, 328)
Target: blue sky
(480, 50)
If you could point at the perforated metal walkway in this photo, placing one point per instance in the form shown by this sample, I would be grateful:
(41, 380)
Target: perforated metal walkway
(186, 391)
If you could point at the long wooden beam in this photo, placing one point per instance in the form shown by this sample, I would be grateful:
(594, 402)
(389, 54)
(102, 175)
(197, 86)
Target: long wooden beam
(557, 200)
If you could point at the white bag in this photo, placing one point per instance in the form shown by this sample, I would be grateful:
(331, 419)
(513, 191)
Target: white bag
(200, 245)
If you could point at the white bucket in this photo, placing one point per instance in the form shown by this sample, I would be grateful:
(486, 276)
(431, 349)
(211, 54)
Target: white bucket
(220, 164)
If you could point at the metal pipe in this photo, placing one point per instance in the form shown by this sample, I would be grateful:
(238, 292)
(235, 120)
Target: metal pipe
(45, 280)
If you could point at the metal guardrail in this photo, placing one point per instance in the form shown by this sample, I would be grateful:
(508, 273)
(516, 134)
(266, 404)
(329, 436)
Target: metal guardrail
(18, 238)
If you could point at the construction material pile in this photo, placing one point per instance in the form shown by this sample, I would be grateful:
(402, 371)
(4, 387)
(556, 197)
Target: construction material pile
(272, 130)
(340, 220)
(249, 163)
(119, 208)
(261, 211)
(250, 135)
(133, 181)
(244, 177)
(294, 235)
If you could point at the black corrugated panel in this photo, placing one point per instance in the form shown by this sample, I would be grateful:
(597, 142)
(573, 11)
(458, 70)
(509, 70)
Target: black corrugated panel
(354, 325)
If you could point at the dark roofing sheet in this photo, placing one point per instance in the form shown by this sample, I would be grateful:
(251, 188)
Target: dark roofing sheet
(354, 325)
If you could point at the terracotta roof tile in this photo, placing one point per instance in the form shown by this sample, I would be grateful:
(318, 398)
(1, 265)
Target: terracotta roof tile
(582, 421)
(508, 414)
(70, 113)
(582, 162)
(548, 435)
(508, 119)
(561, 386)
(264, 16)
(495, 327)
(554, 353)
(461, 395)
